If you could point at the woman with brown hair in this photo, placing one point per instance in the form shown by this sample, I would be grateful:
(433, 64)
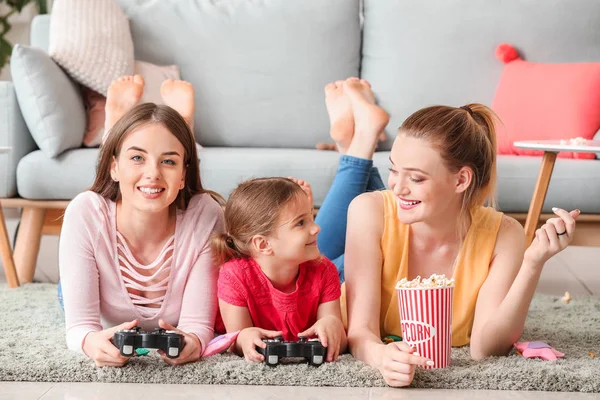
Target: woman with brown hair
(432, 219)
(135, 247)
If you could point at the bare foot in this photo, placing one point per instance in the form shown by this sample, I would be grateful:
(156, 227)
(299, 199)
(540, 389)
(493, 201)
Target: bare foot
(123, 94)
(369, 118)
(326, 146)
(179, 95)
(340, 115)
(305, 186)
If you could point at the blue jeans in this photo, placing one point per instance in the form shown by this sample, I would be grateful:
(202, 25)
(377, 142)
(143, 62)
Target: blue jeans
(354, 176)
(60, 296)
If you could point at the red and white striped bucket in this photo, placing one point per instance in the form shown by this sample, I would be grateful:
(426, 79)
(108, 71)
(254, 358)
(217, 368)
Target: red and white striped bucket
(426, 320)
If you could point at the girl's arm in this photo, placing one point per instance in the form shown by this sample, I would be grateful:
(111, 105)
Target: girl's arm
(506, 294)
(238, 318)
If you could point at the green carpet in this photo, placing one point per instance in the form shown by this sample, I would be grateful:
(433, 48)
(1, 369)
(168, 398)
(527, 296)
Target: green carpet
(33, 349)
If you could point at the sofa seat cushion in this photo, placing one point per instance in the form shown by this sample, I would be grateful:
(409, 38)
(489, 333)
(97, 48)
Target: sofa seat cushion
(573, 184)
(222, 169)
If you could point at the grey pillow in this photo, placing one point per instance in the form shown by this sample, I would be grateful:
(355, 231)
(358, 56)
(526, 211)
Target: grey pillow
(50, 102)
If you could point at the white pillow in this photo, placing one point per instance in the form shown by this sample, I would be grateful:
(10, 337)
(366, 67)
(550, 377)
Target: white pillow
(91, 40)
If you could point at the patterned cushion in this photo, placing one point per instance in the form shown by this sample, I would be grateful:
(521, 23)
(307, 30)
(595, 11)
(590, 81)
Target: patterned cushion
(103, 49)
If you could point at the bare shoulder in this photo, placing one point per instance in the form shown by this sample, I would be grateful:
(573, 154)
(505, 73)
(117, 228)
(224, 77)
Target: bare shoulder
(371, 203)
(511, 235)
(366, 214)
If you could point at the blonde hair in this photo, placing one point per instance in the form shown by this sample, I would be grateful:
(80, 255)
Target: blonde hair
(135, 118)
(465, 137)
(253, 208)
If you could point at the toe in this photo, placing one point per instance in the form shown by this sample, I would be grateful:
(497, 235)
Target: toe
(365, 82)
(329, 88)
(138, 79)
(352, 79)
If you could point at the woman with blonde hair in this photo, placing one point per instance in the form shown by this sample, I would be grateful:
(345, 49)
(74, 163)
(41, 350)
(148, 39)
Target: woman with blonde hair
(433, 219)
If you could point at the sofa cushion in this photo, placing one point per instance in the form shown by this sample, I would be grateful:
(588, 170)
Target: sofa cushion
(50, 102)
(103, 50)
(573, 184)
(222, 169)
(258, 67)
(420, 53)
(537, 101)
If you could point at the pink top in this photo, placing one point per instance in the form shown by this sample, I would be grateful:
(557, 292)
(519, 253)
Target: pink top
(101, 279)
(242, 283)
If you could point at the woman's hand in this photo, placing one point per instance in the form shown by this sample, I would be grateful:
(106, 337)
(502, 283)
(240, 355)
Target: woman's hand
(98, 346)
(249, 338)
(399, 363)
(330, 331)
(192, 349)
(553, 237)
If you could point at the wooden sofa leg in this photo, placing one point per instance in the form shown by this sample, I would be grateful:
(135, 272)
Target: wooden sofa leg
(7, 254)
(27, 245)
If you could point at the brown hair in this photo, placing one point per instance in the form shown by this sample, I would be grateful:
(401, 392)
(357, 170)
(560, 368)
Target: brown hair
(253, 208)
(465, 137)
(140, 115)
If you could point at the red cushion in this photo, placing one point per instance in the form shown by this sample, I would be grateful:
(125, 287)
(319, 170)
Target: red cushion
(545, 102)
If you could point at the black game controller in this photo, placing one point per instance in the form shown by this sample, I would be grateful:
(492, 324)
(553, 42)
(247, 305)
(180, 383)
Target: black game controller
(127, 341)
(312, 350)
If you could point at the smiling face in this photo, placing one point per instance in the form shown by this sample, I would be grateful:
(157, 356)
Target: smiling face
(149, 168)
(425, 189)
(295, 238)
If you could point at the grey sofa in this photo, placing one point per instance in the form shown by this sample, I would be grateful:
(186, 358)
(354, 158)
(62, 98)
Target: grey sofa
(259, 69)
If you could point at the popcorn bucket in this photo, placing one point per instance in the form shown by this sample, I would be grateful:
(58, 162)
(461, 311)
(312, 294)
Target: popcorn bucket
(426, 320)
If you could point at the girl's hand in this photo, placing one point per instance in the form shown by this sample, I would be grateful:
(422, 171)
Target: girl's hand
(192, 350)
(330, 331)
(399, 363)
(249, 338)
(98, 346)
(553, 237)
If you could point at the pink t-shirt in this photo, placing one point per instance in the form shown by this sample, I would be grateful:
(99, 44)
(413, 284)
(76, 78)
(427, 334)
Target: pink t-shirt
(242, 283)
(96, 268)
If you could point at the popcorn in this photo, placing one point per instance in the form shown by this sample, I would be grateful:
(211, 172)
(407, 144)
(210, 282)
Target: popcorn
(566, 298)
(592, 354)
(578, 141)
(432, 282)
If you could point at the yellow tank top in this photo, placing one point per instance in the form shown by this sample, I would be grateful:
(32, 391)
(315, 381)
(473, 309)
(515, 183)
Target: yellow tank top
(471, 268)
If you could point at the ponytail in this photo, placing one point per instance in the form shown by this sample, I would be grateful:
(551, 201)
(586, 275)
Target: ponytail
(486, 118)
(224, 249)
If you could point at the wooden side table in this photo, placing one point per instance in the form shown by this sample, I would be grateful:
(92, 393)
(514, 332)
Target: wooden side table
(5, 250)
(550, 148)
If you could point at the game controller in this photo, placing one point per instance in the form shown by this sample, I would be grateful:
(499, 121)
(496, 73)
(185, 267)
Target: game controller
(312, 350)
(127, 341)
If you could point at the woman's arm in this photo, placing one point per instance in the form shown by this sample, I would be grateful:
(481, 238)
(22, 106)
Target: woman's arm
(506, 294)
(199, 300)
(363, 264)
(362, 268)
(78, 270)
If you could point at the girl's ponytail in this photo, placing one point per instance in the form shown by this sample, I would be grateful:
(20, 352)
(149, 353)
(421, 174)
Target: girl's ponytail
(224, 249)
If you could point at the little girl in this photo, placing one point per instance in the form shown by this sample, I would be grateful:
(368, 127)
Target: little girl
(273, 280)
